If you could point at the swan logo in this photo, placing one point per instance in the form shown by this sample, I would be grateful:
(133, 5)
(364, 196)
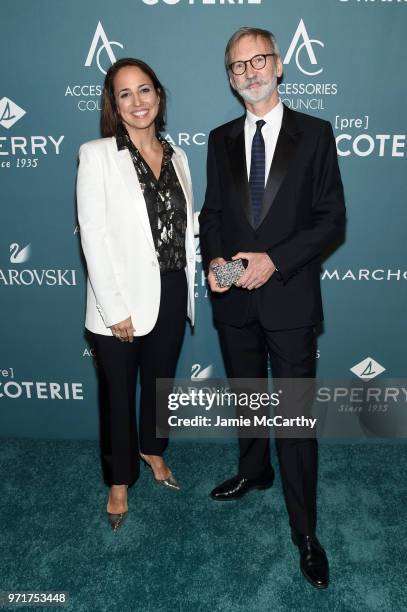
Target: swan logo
(200, 373)
(106, 45)
(10, 113)
(18, 255)
(307, 42)
(26, 277)
(367, 369)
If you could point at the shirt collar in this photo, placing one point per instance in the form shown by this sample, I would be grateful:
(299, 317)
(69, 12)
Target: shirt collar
(122, 138)
(123, 141)
(273, 117)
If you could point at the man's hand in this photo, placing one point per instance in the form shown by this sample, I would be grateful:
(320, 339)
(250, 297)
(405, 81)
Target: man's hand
(123, 331)
(218, 261)
(257, 273)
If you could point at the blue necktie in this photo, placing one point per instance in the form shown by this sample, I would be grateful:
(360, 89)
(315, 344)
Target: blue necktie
(257, 172)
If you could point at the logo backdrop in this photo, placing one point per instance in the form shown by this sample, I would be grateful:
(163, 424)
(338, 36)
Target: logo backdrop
(344, 60)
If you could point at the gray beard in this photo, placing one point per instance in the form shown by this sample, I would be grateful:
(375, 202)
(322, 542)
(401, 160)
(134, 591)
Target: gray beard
(266, 93)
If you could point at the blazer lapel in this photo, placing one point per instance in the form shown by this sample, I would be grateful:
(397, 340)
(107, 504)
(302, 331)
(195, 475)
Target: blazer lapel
(287, 143)
(129, 176)
(178, 164)
(180, 172)
(237, 157)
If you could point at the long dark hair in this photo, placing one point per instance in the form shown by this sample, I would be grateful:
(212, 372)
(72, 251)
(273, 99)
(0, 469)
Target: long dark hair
(110, 119)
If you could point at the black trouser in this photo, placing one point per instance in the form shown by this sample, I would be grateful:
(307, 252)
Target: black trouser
(293, 356)
(156, 355)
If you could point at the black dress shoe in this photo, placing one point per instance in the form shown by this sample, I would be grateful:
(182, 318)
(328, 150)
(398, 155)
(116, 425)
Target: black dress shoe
(313, 560)
(236, 487)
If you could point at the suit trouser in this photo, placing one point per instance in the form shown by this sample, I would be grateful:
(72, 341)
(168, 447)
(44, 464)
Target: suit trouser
(293, 356)
(155, 355)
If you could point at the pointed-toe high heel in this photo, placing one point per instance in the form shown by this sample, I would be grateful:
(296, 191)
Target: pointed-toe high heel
(169, 483)
(117, 520)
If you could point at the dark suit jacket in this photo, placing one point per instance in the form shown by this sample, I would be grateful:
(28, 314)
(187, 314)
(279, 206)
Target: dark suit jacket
(303, 213)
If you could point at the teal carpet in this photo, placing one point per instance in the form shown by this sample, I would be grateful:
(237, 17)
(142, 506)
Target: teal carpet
(183, 552)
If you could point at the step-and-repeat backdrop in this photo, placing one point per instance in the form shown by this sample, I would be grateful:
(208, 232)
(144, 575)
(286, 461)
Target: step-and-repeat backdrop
(344, 60)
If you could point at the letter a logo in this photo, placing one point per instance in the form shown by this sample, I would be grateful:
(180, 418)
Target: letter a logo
(106, 44)
(301, 32)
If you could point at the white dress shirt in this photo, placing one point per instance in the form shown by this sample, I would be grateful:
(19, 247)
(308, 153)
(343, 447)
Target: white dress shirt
(270, 133)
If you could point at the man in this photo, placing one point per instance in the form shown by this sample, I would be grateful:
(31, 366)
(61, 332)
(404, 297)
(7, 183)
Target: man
(275, 199)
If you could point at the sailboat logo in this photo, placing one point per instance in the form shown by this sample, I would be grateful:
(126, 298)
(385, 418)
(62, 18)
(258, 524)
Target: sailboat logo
(10, 112)
(367, 369)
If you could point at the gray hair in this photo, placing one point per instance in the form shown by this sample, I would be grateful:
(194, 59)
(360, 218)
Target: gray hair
(246, 31)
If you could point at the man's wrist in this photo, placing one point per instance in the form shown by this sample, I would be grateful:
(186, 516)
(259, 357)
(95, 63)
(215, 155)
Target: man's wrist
(278, 275)
(271, 259)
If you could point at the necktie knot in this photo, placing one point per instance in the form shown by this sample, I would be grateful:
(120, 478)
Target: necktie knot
(260, 124)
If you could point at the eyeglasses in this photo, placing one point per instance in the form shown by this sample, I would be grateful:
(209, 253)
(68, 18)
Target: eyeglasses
(257, 62)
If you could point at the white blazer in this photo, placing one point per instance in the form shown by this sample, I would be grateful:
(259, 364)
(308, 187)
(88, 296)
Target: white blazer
(123, 271)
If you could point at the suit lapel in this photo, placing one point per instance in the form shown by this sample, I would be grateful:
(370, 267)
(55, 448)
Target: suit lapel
(129, 176)
(237, 156)
(287, 143)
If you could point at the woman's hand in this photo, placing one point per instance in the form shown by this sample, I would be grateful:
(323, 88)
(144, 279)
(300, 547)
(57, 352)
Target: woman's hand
(123, 331)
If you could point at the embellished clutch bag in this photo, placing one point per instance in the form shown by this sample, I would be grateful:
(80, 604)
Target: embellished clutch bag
(228, 274)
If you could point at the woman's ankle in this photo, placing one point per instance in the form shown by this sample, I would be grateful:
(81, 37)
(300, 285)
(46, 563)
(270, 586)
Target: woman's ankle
(118, 490)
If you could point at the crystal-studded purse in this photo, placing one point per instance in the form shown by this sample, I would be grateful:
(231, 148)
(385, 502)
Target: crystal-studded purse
(228, 273)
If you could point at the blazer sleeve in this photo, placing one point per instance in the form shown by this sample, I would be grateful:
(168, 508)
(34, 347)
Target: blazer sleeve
(328, 213)
(92, 222)
(211, 213)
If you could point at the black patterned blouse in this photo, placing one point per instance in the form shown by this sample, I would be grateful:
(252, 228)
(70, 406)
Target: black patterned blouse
(165, 201)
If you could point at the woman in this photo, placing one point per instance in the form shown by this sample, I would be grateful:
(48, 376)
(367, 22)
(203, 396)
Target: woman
(136, 224)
